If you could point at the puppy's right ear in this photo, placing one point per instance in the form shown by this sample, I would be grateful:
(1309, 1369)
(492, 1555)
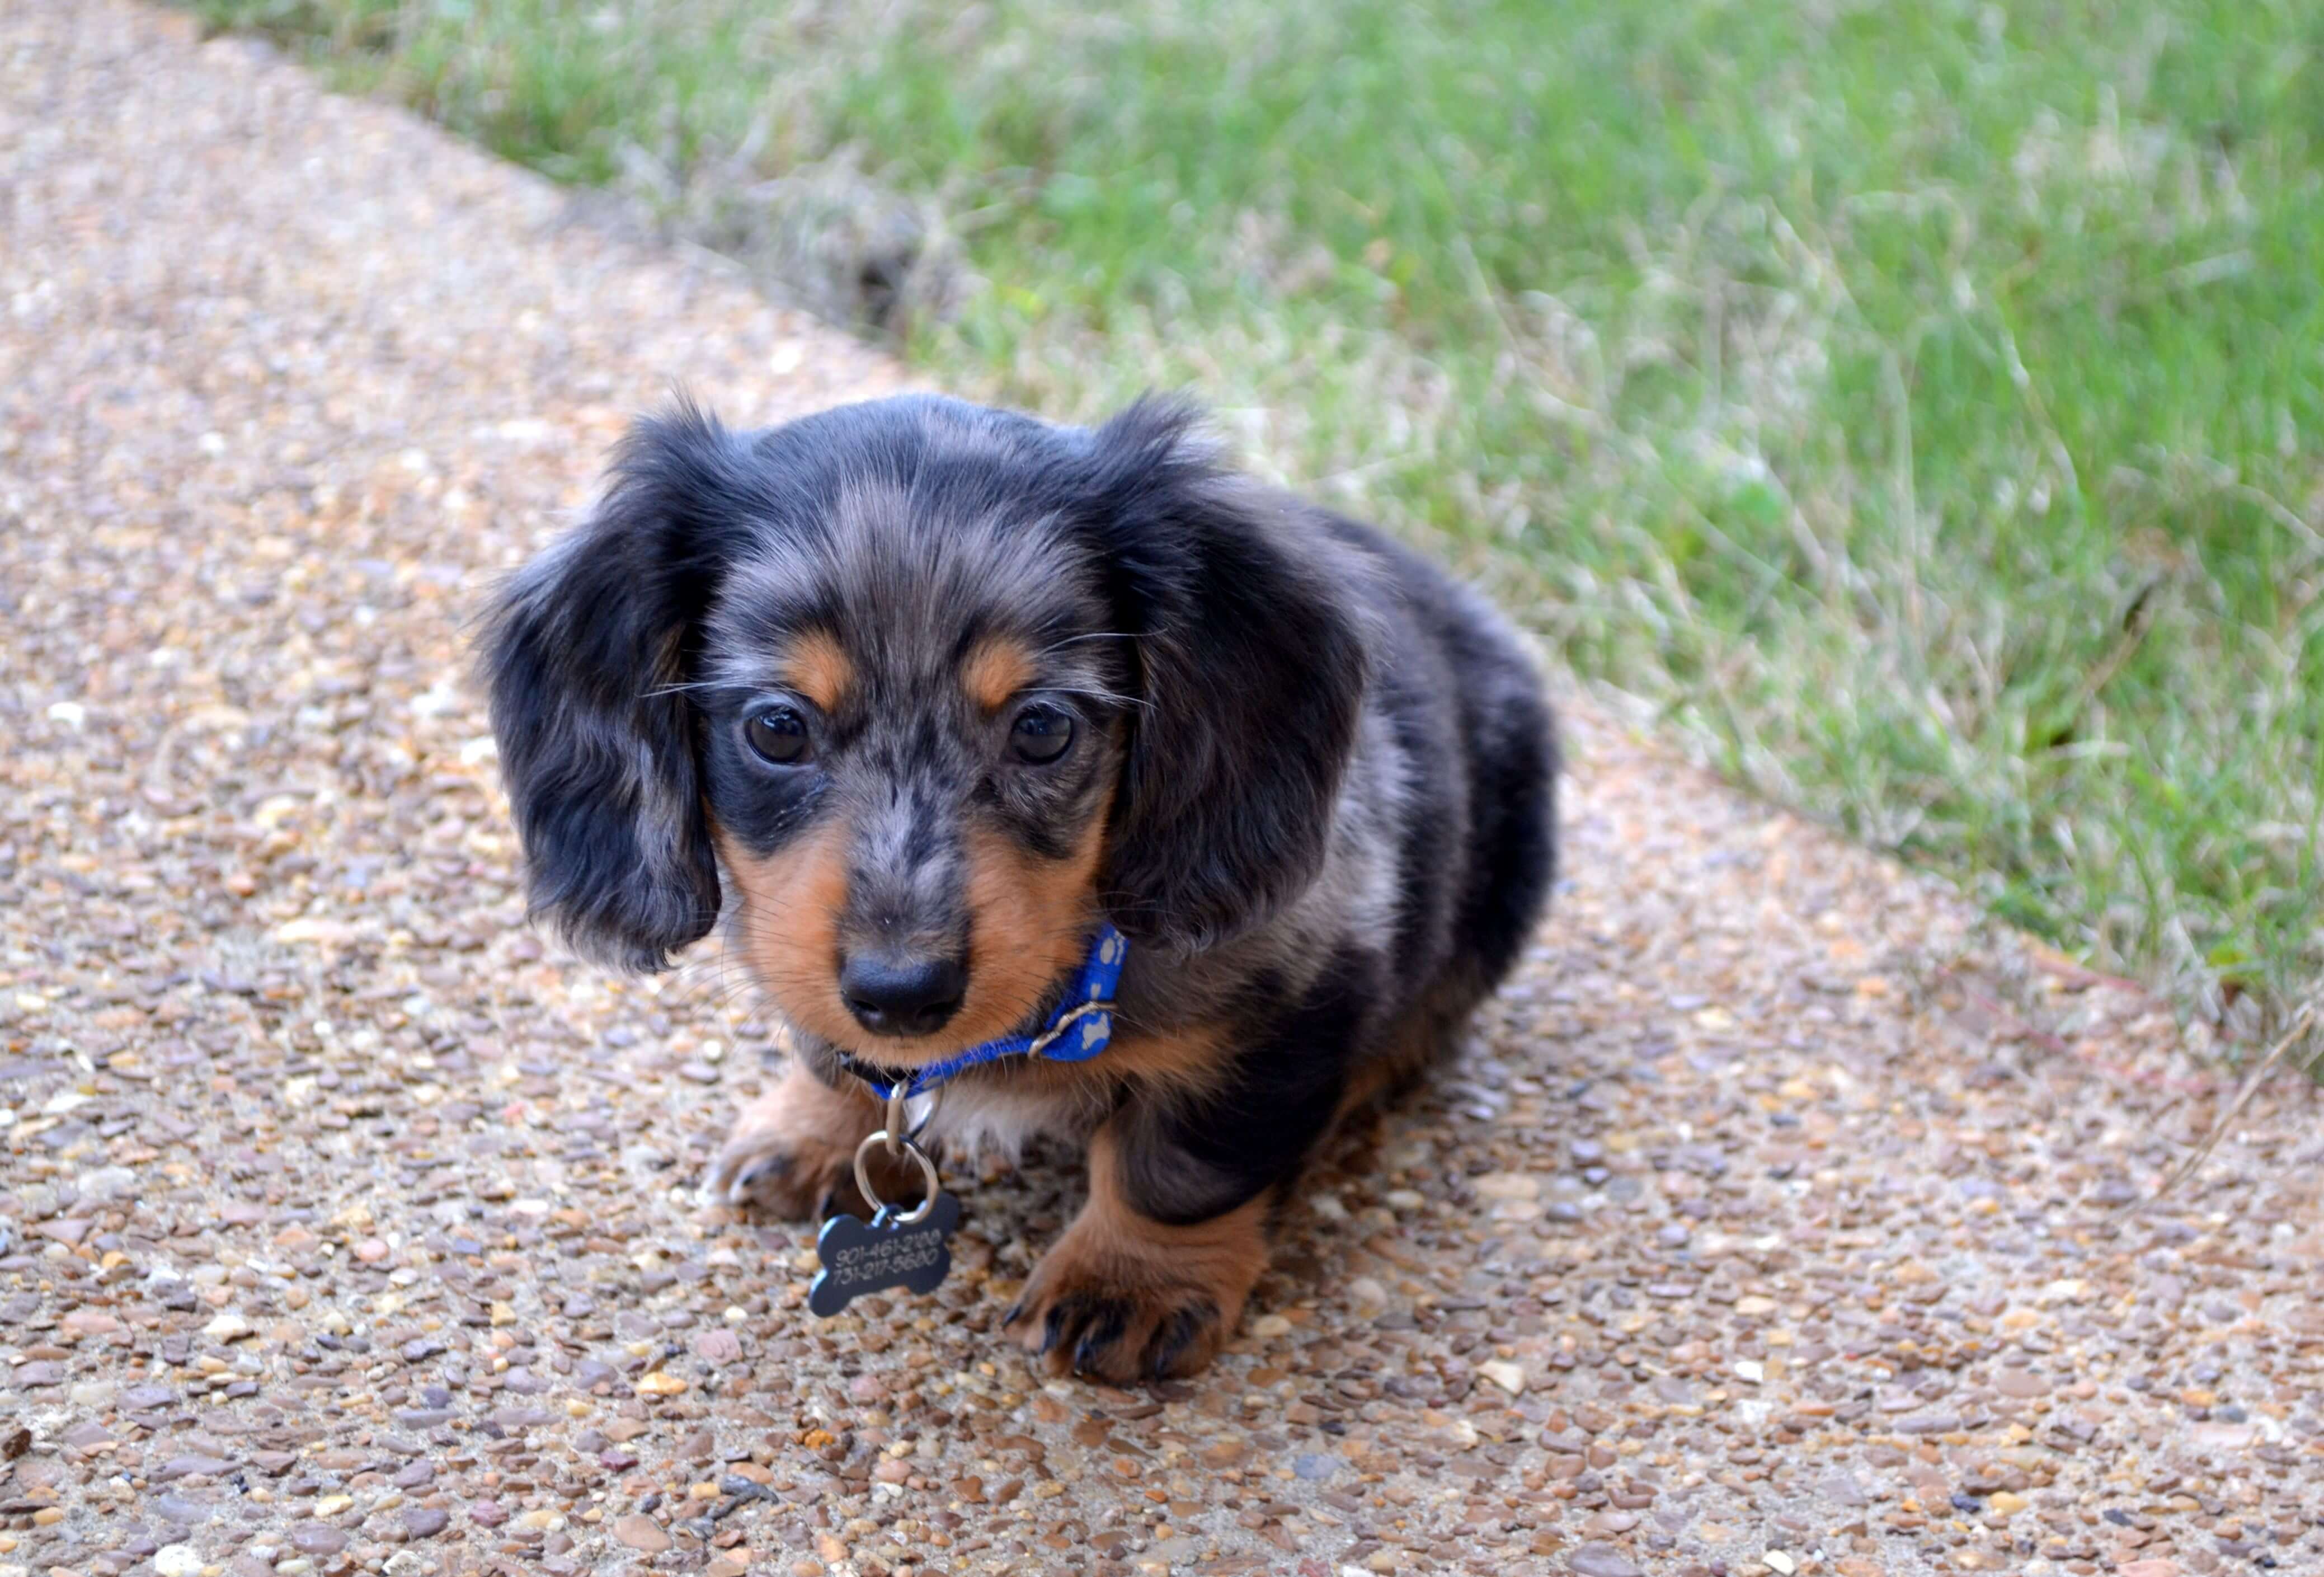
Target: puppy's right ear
(583, 654)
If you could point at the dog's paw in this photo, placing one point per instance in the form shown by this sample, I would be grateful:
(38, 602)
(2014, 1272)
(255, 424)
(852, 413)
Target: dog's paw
(1122, 1299)
(1118, 1334)
(766, 1169)
(792, 1153)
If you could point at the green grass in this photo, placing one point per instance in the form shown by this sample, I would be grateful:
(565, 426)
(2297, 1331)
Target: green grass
(1922, 404)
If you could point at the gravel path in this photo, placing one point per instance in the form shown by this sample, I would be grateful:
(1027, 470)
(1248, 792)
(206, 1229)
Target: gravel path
(1774, 1223)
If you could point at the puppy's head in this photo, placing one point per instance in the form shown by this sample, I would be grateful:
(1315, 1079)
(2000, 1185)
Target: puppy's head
(937, 687)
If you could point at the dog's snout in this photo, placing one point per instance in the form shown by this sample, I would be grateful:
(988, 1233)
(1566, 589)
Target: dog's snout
(907, 996)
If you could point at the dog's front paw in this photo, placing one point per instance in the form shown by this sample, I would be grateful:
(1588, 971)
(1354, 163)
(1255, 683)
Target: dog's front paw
(765, 1169)
(791, 1153)
(1117, 1333)
(1122, 1299)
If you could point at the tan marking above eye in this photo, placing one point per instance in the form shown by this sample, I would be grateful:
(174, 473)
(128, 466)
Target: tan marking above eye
(996, 669)
(818, 667)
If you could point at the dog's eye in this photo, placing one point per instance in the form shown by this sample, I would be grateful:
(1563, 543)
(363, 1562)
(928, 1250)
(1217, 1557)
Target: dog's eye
(777, 736)
(1041, 734)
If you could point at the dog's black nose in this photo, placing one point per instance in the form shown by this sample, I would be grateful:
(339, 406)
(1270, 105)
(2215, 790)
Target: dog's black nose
(914, 996)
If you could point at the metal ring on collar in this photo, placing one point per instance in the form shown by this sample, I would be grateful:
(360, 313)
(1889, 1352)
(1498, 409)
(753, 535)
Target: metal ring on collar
(927, 1176)
(895, 1127)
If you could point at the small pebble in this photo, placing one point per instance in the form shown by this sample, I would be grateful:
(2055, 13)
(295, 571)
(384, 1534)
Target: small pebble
(318, 1538)
(640, 1533)
(1601, 1560)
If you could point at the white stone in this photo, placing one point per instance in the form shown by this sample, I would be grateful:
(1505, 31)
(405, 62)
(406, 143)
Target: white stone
(178, 1561)
(1509, 1376)
(106, 1183)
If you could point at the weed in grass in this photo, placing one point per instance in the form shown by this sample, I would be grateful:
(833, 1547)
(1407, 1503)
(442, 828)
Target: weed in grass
(1921, 406)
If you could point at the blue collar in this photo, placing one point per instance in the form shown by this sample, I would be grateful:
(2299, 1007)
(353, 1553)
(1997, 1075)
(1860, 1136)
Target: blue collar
(1078, 1031)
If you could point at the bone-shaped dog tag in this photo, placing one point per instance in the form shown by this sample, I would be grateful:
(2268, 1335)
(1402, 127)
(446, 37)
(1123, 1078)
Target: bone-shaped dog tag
(860, 1256)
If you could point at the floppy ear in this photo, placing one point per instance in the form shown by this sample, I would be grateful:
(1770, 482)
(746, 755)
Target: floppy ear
(1252, 664)
(582, 654)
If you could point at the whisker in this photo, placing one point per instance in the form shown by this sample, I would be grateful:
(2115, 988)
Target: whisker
(1060, 645)
(1108, 697)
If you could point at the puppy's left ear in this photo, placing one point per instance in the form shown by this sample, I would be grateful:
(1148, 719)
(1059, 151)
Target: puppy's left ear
(583, 656)
(1252, 657)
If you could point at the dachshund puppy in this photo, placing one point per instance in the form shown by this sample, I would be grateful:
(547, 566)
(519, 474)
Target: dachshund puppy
(922, 696)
